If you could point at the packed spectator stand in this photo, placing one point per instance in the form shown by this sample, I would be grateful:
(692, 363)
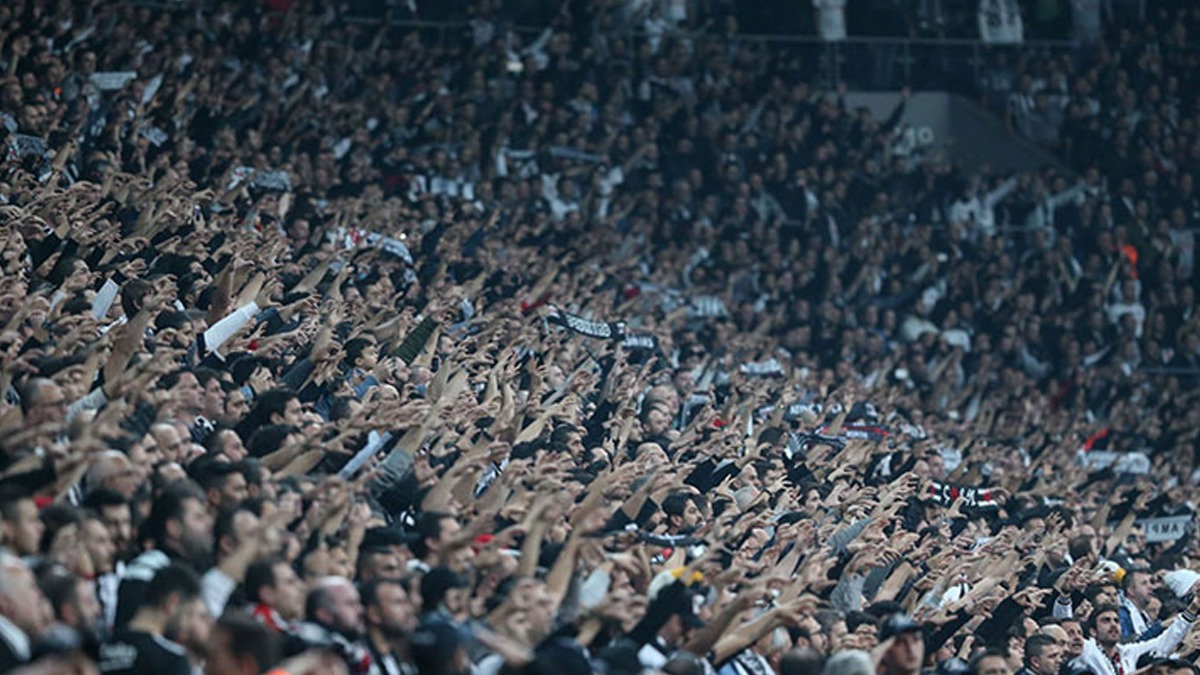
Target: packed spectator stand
(570, 337)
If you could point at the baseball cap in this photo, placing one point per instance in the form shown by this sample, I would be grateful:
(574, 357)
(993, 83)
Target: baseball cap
(898, 624)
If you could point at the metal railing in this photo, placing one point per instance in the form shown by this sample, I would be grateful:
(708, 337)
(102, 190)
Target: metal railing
(863, 63)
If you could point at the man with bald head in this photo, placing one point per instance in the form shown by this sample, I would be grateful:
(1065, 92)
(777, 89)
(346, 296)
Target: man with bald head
(334, 613)
(171, 443)
(43, 402)
(112, 470)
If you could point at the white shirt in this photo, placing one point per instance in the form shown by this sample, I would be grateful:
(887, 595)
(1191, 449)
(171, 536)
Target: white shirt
(1162, 645)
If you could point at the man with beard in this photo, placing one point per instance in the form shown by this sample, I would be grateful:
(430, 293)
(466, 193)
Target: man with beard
(1104, 654)
(390, 618)
(103, 553)
(683, 515)
(116, 515)
(180, 530)
(334, 617)
(169, 601)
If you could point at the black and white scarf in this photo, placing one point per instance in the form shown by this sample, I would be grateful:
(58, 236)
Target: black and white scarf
(641, 342)
(766, 368)
(603, 330)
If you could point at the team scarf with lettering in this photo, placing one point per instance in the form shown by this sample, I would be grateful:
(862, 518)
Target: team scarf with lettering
(602, 330)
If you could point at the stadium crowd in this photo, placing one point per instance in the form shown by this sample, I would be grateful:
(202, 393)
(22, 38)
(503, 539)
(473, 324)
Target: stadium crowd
(327, 347)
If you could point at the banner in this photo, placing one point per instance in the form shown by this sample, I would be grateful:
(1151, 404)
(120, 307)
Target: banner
(707, 307)
(1000, 22)
(647, 342)
(26, 145)
(112, 81)
(766, 368)
(1165, 529)
(1121, 462)
(391, 246)
(278, 181)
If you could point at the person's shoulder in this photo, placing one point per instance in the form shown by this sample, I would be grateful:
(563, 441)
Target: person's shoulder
(146, 565)
(138, 652)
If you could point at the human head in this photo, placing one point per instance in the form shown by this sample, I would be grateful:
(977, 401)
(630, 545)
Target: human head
(231, 528)
(865, 629)
(20, 528)
(172, 599)
(73, 600)
(1105, 624)
(1101, 594)
(236, 407)
(173, 594)
(212, 393)
(388, 607)
(273, 583)
(133, 296)
(437, 649)
(43, 402)
(1139, 586)
(1173, 666)
(361, 352)
(853, 662)
(170, 442)
(277, 406)
(180, 522)
(671, 597)
(906, 653)
(434, 530)
(239, 645)
(21, 602)
(186, 390)
(114, 511)
(223, 483)
(1074, 643)
(568, 439)
(376, 562)
(98, 541)
(112, 469)
(226, 442)
(439, 588)
(991, 662)
(334, 604)
(655, 419)
(1043, 655)
(682, 513)
(833, 630)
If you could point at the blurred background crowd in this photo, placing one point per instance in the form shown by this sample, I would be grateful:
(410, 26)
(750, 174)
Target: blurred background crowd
(596, 336)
